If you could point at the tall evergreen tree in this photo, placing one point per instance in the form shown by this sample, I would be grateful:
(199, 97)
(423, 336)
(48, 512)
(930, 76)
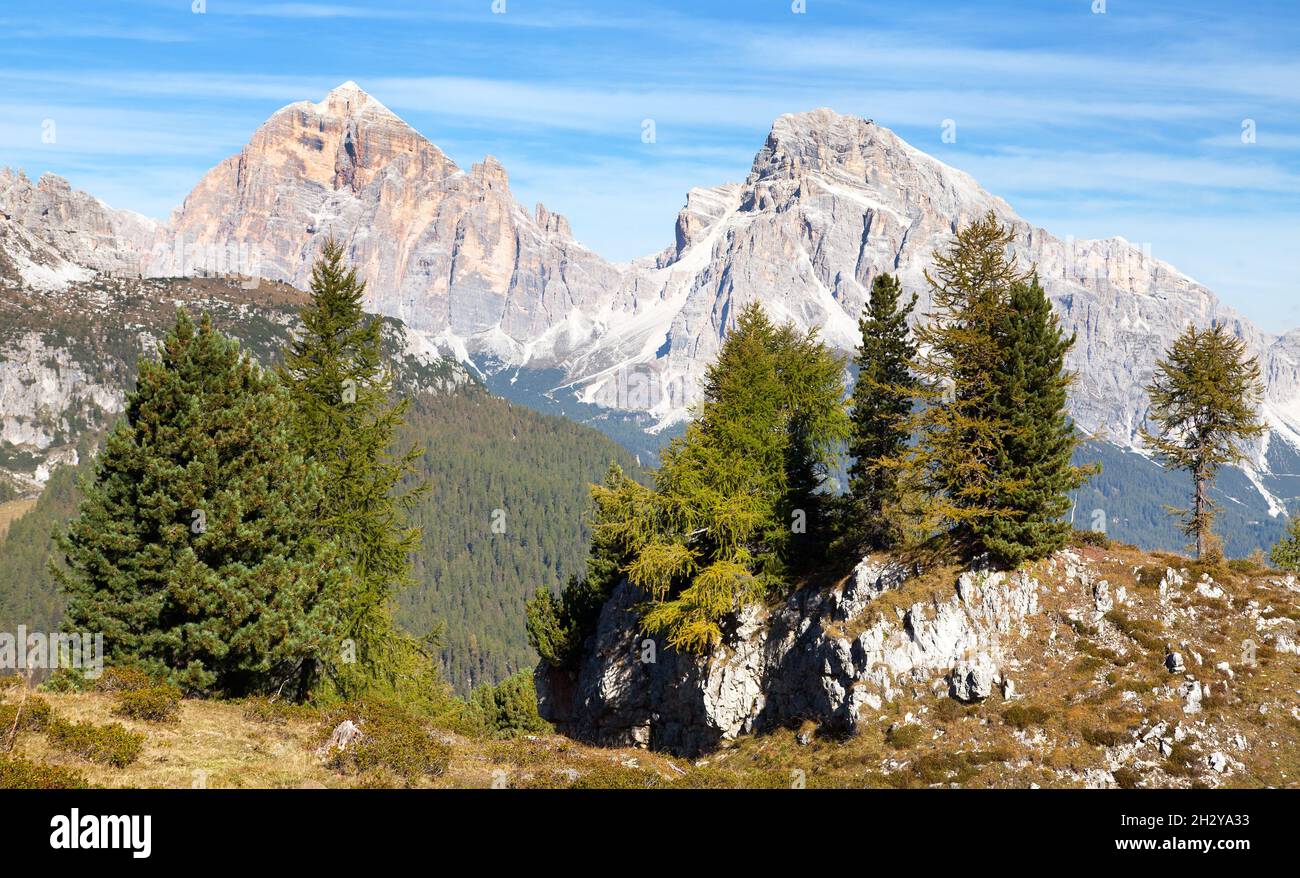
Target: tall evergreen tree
(346, 422)
(960, 430)
(724, 523)
(194, 550)
(883, 399)
(1033, 461)
(1204, 399)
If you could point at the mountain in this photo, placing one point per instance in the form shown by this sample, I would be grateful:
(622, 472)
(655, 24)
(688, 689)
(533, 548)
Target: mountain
(829, 202)
(442, 249)
(74, 232)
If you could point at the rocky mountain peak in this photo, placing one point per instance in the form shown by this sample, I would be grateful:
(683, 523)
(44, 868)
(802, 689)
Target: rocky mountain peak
(491, 173)
(349, 99)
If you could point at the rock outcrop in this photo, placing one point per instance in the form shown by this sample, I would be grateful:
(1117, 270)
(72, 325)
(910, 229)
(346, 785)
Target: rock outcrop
(80, 231)
(820, 656)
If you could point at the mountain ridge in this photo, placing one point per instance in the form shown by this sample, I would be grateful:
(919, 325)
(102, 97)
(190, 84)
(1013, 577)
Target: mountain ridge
(830, 201)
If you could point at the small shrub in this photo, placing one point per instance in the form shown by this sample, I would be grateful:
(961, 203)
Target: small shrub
(1104, 737)
(1126, 778)
(35, 716)
(1087, 665)
(615, 777)
(20, 774)
(1080, 538)
(391, 739)
(1142, 631)
(904, 735)
(1022, 716)
(1184, 760)
(273, 713)
(949, 710)
(510, 707)
(112, 744)
(10, 681)
(66, 680)
(1148, 576)
(958, 768)
(154, 704)
(124, 679)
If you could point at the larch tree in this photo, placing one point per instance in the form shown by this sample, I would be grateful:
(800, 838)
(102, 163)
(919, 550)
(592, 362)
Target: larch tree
(1204, 405)
(952, 468)
(735, 497)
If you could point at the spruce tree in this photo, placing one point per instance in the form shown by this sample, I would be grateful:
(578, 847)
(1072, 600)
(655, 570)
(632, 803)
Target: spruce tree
(346, 418)
(952, 467)
(194, 550)
(1204, 399)
(1033, 461)
(882, 405)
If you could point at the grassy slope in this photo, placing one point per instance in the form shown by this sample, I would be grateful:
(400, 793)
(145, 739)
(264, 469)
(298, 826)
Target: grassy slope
(11, 511)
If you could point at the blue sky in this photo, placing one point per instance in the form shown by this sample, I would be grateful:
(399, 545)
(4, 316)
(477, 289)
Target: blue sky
(1128, 122)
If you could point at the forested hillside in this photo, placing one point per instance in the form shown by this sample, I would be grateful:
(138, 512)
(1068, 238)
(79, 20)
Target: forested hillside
(27, 593)
(505, 514)
(480, 454)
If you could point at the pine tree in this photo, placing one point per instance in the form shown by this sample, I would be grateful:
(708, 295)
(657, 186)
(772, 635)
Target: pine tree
(509, 708)
(194, 550)
(952, 467)
(346, 420)
(1203, 401)
(1033, 461)
(729, 514)
(882, 405)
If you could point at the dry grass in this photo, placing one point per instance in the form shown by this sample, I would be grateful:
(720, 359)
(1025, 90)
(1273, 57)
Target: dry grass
(11, 511)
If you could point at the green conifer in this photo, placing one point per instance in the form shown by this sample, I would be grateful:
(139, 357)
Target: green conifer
(195, 550)
(346, 420)
(882, 405)
(1033, 460)
(1204, 401)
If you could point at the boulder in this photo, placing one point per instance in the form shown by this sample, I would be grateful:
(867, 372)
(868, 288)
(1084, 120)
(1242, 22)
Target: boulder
(972, 679)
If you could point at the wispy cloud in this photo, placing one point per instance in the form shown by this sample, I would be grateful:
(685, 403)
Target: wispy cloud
(1102, 124)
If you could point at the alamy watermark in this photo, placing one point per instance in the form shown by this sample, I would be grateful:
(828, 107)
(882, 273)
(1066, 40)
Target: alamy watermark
(37, 651)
